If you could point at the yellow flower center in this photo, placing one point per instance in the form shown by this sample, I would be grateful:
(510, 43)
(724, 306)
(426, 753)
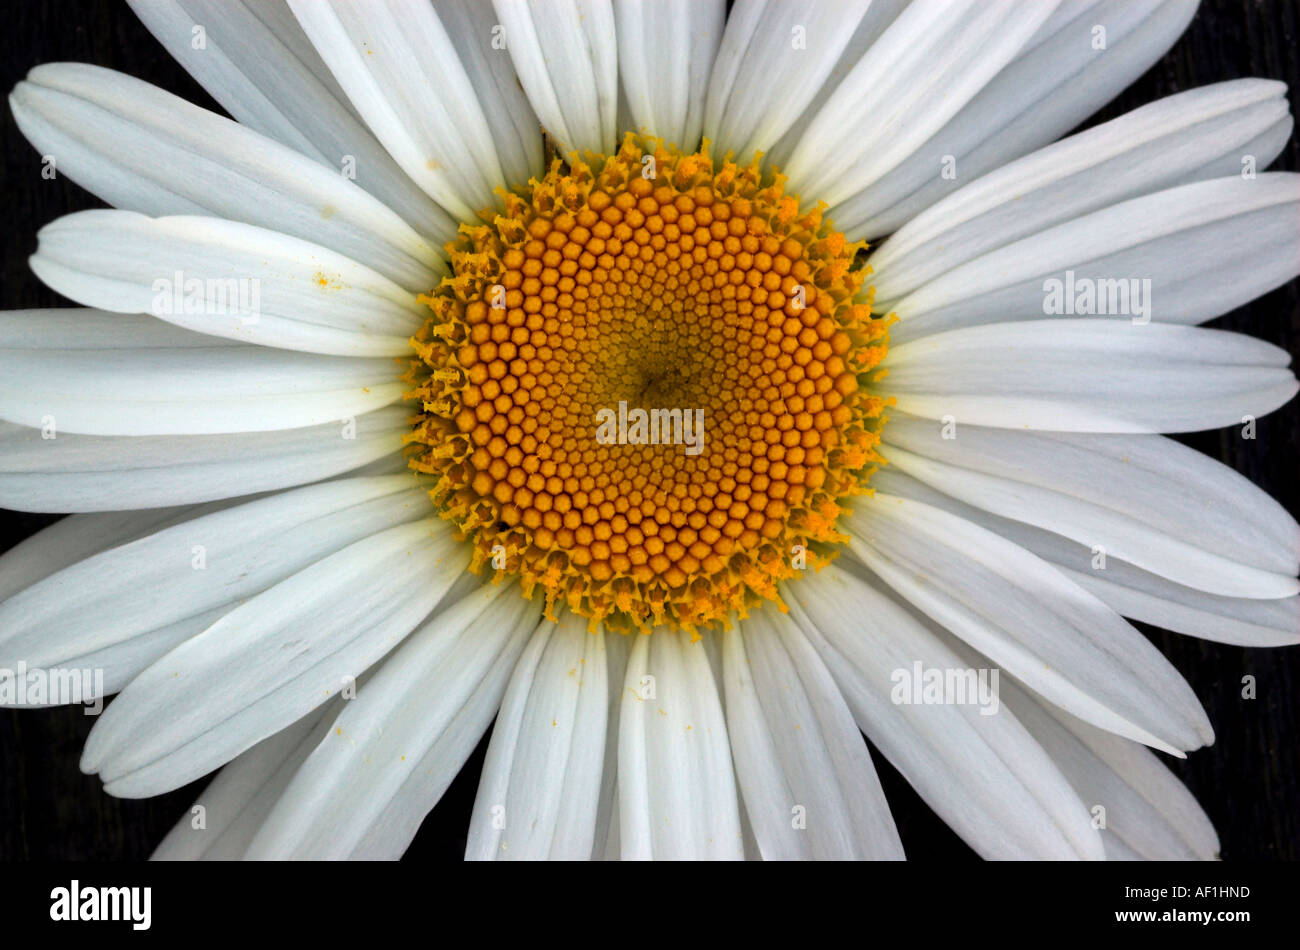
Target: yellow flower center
(640, 389)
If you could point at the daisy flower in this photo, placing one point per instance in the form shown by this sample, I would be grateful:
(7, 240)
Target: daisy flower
(679, 390)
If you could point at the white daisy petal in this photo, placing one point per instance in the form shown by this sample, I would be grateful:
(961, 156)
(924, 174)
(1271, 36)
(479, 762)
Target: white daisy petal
(1100, 375)
(142, 149)
(387, 465)
(931, 61)
(515, 129)
(1126, 589)
(1117, 850)
(566, 54)
(665, 55)
(257, 63)
(1183, 255)
(789, 46)
(228, 279)
(83, 328)
(1142, 810)
(540, 789)
(167, 357)
(1144, 805)
(1103, 529)
(237, 801)
(113, 473)
(764, 785)
(676, 788)
(123, 661)
(402, 74)
(271, 660)
(1199, 134)
(393, 750)
(1022, 613)
(809, 787)
(111, 666)
(194, 562)
(1240, 621)
(75, 538)
(1145, 499)
(880, 14)
(982, 774)
(1061, 76)
(174, 391)
(605, 846)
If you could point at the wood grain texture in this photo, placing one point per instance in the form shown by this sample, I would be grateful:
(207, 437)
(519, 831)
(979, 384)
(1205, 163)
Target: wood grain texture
(1247, 781)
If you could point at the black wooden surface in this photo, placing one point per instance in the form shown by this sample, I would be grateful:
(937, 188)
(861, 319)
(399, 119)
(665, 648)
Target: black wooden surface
(1247, 780)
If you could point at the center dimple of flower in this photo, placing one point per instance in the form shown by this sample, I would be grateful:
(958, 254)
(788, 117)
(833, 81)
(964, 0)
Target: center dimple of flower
(640, 389)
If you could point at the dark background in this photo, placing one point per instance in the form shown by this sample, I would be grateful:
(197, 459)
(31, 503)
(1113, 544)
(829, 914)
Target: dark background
(1247, 781)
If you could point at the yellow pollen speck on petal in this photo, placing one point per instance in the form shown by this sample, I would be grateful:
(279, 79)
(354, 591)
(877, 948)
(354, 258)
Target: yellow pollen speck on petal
(645, 396)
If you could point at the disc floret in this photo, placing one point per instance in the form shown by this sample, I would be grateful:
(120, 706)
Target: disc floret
(659, 281)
